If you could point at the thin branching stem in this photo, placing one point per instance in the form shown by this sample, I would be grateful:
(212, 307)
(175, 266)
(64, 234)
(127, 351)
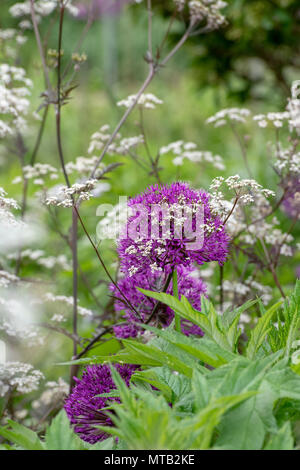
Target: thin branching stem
(40, 47)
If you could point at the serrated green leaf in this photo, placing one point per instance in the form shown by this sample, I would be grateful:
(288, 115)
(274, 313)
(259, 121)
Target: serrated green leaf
(282, 440)
(260, 331)
(162, 358)
(204, 349)
(22, 436)
(60, 435)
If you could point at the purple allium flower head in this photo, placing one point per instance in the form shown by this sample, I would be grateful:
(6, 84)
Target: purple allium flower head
(85, 409)
(189, 286)
(161, 235)
(291, 201)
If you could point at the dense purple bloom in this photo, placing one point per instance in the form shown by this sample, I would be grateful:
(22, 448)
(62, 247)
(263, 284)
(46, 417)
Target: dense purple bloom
(291, 201)
(85, 409)
(189, 286)
(164, 242)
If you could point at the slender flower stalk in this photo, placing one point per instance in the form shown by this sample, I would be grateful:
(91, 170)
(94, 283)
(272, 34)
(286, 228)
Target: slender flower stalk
(176, 295)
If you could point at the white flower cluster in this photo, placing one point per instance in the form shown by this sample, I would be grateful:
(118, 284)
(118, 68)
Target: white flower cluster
(41, 8)
(235, 287)
(38, 256)
(208, 11)
(83, 166)
(241, 192)
(146, 100)
(5, 202)
(119, 146)
(7, 278)
(239, 292)
(180, 4)
(10, 40)
(293, 107)
(188, 150)
(84, 312)
(53, 395)
(7, 218)
(18, 377)
(15, 321)
(274, 119)
(13, 231)
(242, 186)
(38, 173)
(245, 190)
(264, 292)
(277, 237)
(65, 195)
(287, 161)
(221, 118)
(13, 102)
(6, 34)
(259, 229)
(252, 227)
(290, 116)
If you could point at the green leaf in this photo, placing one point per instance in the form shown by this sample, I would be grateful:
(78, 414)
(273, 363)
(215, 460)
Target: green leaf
(152, 377)
(160, 357)
(173, 385)
(204, 422)
(204, 349)
(107, 444)
(243, 428)
(60, 436)
(288, 323)
(224, 332)
(22, 436)
(125, 357)
(260, 331)
(282, 440)
(202, 393)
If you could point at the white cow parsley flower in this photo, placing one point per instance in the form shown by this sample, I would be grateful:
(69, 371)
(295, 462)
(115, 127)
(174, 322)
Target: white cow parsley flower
(146, 100)
(18, 377)
(221, 118)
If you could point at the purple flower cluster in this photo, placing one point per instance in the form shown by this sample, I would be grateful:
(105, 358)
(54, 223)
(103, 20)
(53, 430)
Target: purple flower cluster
(189, 286)
(84, 407)
(146, 253)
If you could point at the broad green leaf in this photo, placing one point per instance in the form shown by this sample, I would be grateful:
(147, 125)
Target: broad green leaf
(151, 377)
(282, 440)
(107, 444)
(162, 358)
(224, 332)
(203, 349)
(207, 321)
(203, 423)
(229, 316)
(60, 435)
(260, 331)
(22, 436)
(242, 428)
(125, 357)
(202, 393)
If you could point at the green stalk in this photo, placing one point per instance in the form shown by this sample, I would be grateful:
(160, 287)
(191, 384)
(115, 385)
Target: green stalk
(176, 295)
